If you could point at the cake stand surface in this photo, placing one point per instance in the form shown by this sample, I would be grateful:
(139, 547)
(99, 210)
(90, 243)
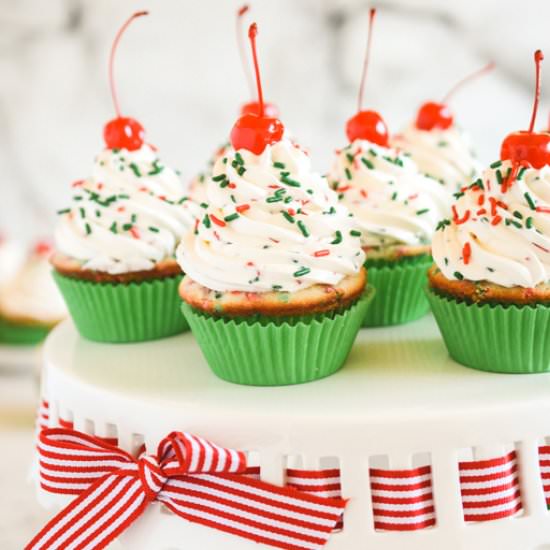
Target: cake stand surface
(399, 402)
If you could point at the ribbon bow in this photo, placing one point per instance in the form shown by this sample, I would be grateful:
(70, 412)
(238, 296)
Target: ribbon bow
(198, 480)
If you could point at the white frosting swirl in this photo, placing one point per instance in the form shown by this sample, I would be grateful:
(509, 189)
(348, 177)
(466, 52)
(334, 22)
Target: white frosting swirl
(392, 201)
(197, 186)
(128, 216)
(272, 224)
(499, 234)
(32, 295)
(445, 155)
(11, 257)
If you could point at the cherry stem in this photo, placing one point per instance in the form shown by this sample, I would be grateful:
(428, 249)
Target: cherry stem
(112, 57)
(372, 13)
(538, 60)
(480, 72)
(252, 34)
(242, 50)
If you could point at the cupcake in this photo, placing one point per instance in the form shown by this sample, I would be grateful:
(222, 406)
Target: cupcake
(11, 258)
(397, 209)
(275, 288)
(116, 241)
(490, 286)
(30, 304)
(440, 148)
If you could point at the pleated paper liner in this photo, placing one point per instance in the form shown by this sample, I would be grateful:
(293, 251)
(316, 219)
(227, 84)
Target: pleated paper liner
(274, 351)
(19, 334)
(399, 285)
(492, 337)
(119, 313)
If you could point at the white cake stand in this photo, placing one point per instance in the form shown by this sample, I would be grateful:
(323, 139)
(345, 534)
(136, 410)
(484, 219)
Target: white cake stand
(400, 400)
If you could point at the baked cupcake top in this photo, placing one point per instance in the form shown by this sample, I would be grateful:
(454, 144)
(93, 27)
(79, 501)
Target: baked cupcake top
(32, 296)
(499, 231)
(445, 155)
(393, 202)
(272, 224)
(128, 216)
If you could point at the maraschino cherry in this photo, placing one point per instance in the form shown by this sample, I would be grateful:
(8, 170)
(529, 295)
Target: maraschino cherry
(367, 125)
(254, 131)
(529, 146)
(122, 132)
(437, 116)
(252, 106)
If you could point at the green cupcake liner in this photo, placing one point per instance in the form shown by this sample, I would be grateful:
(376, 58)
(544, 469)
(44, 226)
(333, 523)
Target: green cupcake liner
(18, 334)
(492, 337)
(120, 313)
(274, 351)
(399, 288)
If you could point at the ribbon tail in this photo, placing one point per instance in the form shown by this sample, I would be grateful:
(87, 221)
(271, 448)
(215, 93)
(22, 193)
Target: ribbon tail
(96, 517)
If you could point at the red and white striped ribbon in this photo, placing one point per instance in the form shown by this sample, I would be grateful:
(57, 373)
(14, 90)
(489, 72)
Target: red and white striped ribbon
(323, 483)
(43, 415)
(490, 488)
(402, 499)
(544, 459)
(196, 479)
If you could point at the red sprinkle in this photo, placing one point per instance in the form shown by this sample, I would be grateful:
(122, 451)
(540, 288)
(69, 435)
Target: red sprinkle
(232, 186)
(544, 209)
(320, 253)
(481, 199)
(291, 211)
(466, 253)
(100, 186)
(134, 232)
(364, 194)
(343, 189)
(481, 212)
(217, 221)
(78, 183)
(496, 203)
(496, 220)
(250, 264)
(217, 236)
(542, 248)
(457, 220)
(162, 197)
(273, 186)
(412, 197)
(242, 208)
(121, 209)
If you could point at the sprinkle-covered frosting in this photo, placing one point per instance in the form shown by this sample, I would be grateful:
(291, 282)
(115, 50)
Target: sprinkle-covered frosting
(32, 295)
(393, 203)
(499, 230)
(128, 216)
(444, 155)
(272, 224)
(197, 186)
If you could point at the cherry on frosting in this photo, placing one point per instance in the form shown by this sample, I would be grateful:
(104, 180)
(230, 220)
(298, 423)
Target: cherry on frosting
(437, 116)
(253, 107)
(366, 124)
(122, 132)
(254, 132)
(528, 145)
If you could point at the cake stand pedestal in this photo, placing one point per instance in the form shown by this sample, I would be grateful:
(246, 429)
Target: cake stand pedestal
(400, 402)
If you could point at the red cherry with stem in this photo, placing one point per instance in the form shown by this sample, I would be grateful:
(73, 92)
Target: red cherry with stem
(529, 146)
(433, 115)
(122, 132)
(367, 125)
(254, 132)
(252, 106)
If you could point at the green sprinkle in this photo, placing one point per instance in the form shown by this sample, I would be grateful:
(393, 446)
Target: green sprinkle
(98, 214)
(373, 152)
(496, 164)
(394, 195)
(183, 199)
(276, 287)
(64, 211)
(203, 205)
(529, 222)
(337, 238)
(287, 216)
(127, 227)
(530, 201)
(521, 172)
(367, 163)
(82, 212)
(309, 191)
(490, 269)
(348, 173)
(517, 215)
(113, 228)
(301, 272)
(288, 199)
(280, 165)
(508, 221)
(206, 221)
(157, 168)
(233, 199)
(499, 177)
(478, 183)
(303, 228)
(239, 158)
(349, 156)
(290, 182)
(135, 169)
(355, 233)
(274, 199)
(77, 198)
(422, 211)
(443, 144)
(241, 170)
(458, 275)
(123, 196)
(153, 229)
(88, 229)
(224, 184)
(441, 225)
(219, 177)
(231, 217)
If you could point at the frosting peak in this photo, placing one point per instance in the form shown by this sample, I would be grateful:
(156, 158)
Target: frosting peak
(500, 229)
(128, 216)
(271, 224)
